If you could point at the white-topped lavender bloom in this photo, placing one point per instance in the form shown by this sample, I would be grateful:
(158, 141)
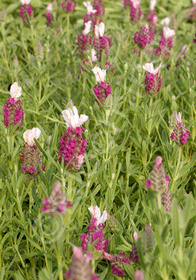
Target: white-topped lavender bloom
(72, 118)
(25, 2)
(152, 4)
(89, 8)
(30, 134)
(165, 21)
(87, 28)
(99, 30)
(168, 32)
(150, 68)
(99, 74)
(15, 91)
(96, 213)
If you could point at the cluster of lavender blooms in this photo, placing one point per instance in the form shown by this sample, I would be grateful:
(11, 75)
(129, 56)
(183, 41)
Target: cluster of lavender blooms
(80, 266)
(158, 183)
(152, 17)
(56, 203)
(68, 5)
(30, 156)
(180, 133)
(72, 145)
(93, 23)
(26, 11)
(145, 35)
(103, 89)
(152, 79)
(12, 110)
(101, 42)
(142, 38)
(135, 10)
(166, 42)
(95, 233)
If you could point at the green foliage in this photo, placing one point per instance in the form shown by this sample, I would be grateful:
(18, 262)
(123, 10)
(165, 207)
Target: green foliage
(124, 137)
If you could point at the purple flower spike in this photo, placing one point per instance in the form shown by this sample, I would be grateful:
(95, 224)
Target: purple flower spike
(80, 267)
(180, 133)
(12, 110)
(56, 203)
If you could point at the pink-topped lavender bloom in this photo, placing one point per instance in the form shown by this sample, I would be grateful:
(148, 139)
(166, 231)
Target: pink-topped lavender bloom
(12, 110)
(101, 42)
(56, 203)
(72, 145)
(142, 38)
(68, 5)
(26, 11)
(30, 156)
(103, 89)
(166, 42)
(135, 10)
(48, 15)
(157, 179)
(180, 133)
(152, 79)
(117, 263)
(84, 40)
(80, 266)
(95, 231)
(152, 17)
(134, 254)
(99, 7)
(159, 183)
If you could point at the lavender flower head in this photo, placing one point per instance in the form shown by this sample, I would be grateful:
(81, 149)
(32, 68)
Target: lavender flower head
(25, 11)
(30, 156)
(68, 5)
(84, 40)
(157, 176)
(72, 145)
(95, 231)
(166, 42)
(101, 42)
(135, 10)
(152, 79)
(80, 267)
(12, 110)
(56, 203)
(180, 133)
(103, 89)
(159, 182)
(117, 263)
(152, 17)
(142, 38)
